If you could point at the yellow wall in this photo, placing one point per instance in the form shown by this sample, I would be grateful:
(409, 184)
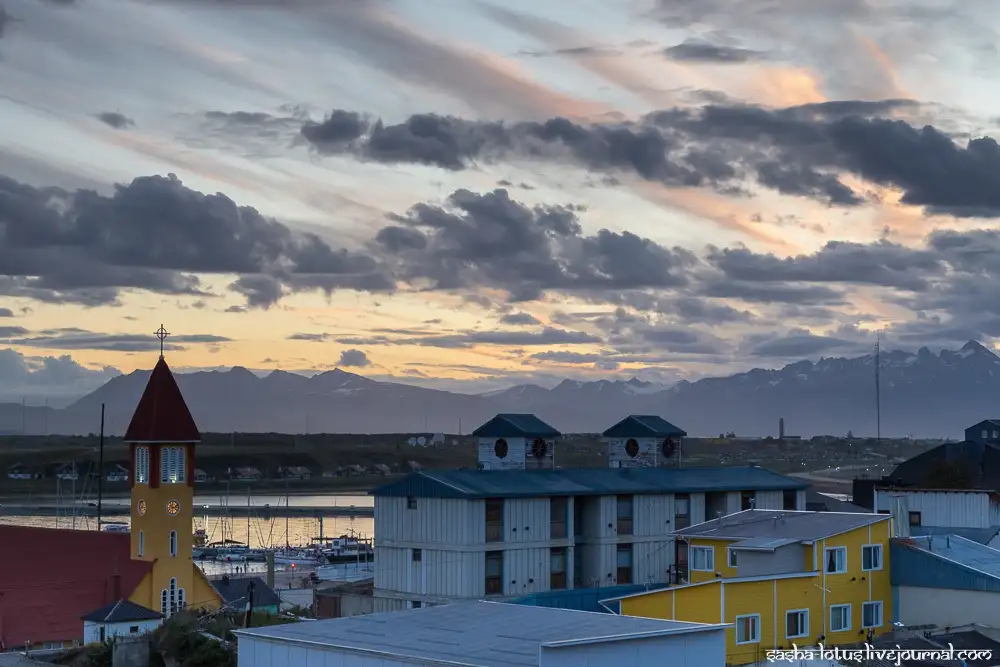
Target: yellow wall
(721, 560)
(155, 527)
(719, 600)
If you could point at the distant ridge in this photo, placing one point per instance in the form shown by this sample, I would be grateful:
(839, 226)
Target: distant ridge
(923, 394)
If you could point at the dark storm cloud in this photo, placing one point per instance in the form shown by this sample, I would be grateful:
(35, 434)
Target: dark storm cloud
(156, 234)
(702, 52)
(5, 18)
(799, 151)
(519, 319)
(6, 312)
(353, 359)
(78, 339)
(10, 332)
(490, 240)
(800, 344)
(115, 119)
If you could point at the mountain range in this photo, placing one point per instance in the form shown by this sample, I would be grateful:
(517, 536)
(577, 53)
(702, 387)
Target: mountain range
(922, 394)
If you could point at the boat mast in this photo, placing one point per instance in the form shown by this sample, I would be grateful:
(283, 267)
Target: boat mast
(100, 471)
(286, 514)
(248, 516)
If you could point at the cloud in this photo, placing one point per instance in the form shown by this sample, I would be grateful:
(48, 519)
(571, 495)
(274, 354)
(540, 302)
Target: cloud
(28, 376)
(799, 151)
(468, 339)
(490, 240)
(310, 337)
(703, 52)
(79, 339)
(800, 344)
(156, 234)
(519, 319)
(353, 359)
(6, 312)
(115, 120)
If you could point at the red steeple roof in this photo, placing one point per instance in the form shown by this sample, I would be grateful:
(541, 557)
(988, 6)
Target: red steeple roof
(162, 415)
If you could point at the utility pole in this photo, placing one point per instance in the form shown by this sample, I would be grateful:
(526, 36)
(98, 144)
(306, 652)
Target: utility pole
(100, 471)
(246, 621)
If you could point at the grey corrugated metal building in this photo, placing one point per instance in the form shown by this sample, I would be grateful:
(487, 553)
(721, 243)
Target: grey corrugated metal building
(456, 535)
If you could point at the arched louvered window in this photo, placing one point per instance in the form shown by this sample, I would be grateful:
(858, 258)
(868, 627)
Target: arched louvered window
(173, 542)
(164, 608)
(142, 543)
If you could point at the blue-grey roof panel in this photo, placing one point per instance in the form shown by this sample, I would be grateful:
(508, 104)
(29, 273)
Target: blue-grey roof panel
(979, 535)
(643, 426)
(584, 482)
(515, 426)
(944, 561)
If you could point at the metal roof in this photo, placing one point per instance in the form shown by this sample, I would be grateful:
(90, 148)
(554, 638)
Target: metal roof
(979, 535)
(763, 543)
(515, 426)
(472, 484)
(121, 612)
(584, 599)
(782, 524)
(944, 561)
(237, 590)
(480, 634)
(643, 426)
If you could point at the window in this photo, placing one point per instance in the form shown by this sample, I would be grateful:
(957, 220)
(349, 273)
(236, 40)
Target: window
(133, 629)
(625, 515)
(731, 553)
(624, 562)
(789, 499)
(417, 555)
(840, 617)
(164, 609)
(173, 542)
(494, 572)
(796, 623)
(871, 557)
(411, 503)
(181, 601)
(557, 569)
(914, 518)
(141, 465)
(996, 434)
(883, 512)
(986, 434)
(871, 615)
(416, 604)
(748, 629)
(682, 511)
(558, 514)
(141, 543)
(748, 500)
(101, 636)
(494, 520)
(172, 464)
(836, 560)
(702, 559)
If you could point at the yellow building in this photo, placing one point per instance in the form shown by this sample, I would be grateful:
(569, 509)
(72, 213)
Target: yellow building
(781, 578)
(162, 436)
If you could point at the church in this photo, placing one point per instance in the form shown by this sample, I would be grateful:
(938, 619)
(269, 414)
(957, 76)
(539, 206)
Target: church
(51, 578)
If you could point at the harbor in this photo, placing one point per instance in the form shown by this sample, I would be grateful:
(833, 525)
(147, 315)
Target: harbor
(235, 511)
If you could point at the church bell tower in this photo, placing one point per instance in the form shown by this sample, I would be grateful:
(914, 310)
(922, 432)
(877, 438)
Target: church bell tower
(162, 437)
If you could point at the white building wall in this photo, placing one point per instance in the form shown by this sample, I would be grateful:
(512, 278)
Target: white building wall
(769, 500)
(254, 652)
(651, 561)
(954, 509)
(515, 459)
(947, 607)
(697, 508)
(694, 649)
(525, 519)
(432, 521)
(92, 630)
(525, 571)
(734, 502)
(653, 515)
(800, 499)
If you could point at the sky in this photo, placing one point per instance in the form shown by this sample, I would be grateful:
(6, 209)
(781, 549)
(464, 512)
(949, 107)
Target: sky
(470, 195)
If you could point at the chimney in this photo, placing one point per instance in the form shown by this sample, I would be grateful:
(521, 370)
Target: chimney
(116, 587)
(900, 516)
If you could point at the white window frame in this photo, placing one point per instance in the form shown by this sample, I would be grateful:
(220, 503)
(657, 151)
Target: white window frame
(881, 619)
(847, 628)
(694, 549)
(756, 628)
(805, 623)
(878, 549)
(732, 559)
(172, 465)
(142, 464)
(826, 556)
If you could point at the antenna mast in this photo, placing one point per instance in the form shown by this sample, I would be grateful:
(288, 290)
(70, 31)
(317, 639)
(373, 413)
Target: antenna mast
(878, 392)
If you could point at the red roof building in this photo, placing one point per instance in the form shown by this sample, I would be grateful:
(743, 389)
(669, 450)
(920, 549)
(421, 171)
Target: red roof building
(50, 578)
(162, 415)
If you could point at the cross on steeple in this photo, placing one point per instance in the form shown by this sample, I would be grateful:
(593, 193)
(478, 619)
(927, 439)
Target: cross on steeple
(161, 333)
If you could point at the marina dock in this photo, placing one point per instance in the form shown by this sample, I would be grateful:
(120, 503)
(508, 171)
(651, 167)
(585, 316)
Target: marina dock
(235, 511)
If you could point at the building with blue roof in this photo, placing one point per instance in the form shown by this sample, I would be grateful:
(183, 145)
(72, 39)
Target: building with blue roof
(516, 442)
(643, 441)
(449, 535)
(971, 513)
(945, 581)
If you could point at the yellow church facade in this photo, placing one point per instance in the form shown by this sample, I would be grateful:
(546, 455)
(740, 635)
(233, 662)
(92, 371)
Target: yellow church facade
(162, 437)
